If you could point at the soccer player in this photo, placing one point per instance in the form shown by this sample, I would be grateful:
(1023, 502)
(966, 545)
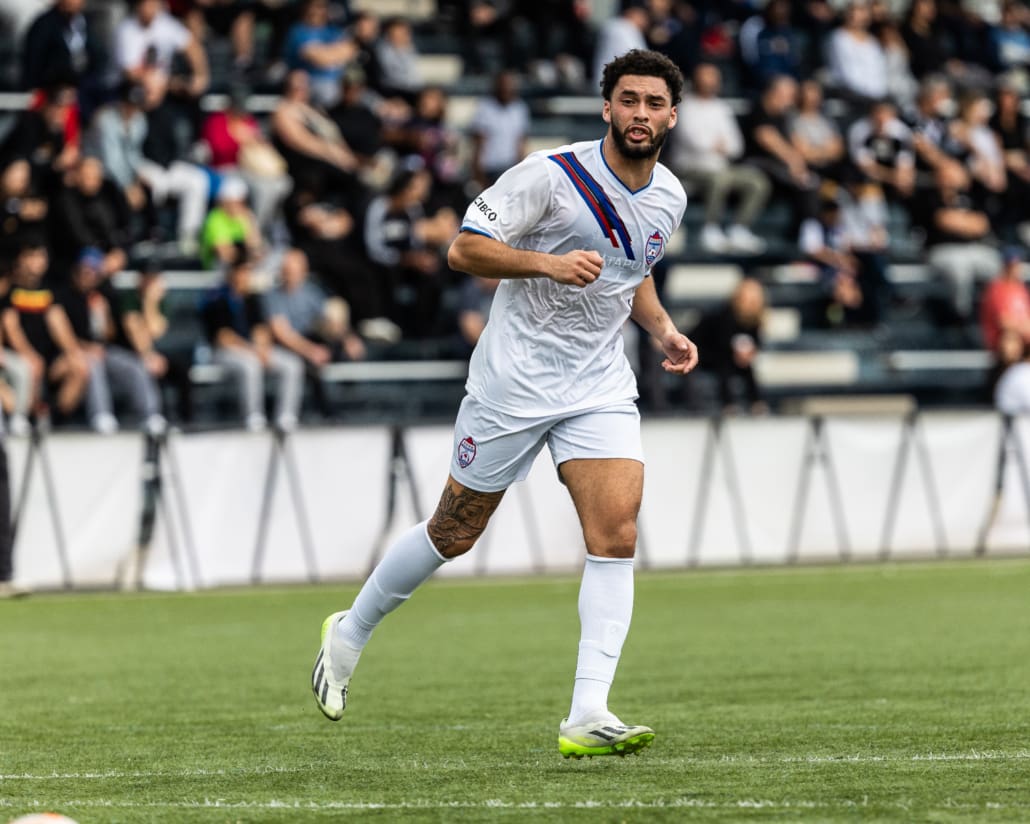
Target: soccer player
(573, 234)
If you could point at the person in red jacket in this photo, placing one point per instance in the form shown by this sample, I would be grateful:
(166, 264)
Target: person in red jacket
(1006, 302)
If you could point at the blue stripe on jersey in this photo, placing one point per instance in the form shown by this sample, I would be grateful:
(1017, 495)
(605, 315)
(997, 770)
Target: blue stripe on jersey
(597, 199)
(476, 231)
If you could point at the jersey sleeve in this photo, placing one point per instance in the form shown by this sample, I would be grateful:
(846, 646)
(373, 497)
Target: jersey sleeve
(514, 206)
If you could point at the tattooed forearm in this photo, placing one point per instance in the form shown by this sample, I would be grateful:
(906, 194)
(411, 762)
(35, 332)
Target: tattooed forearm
(460, 518)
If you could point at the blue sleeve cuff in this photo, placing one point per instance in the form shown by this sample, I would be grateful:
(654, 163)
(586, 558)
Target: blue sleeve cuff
(476, 231)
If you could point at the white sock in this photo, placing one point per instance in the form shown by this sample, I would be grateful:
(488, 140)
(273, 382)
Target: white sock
(605, 610)
(406, 564)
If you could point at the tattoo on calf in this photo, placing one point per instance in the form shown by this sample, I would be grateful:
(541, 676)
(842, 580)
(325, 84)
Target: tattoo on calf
(460, 518)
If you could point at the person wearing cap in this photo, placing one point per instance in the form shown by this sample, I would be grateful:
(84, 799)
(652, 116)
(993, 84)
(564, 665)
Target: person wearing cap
(230, 226)
(94, 318)
(1005, 305)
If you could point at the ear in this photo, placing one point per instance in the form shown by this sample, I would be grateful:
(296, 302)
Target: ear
(606, 111)
(672, 117)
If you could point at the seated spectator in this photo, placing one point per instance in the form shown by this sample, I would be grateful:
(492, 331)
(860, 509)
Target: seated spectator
(306, 321)
(958, 237)
(41, 136)
(902, 86)
(237, 146)
(89, 211)
(476, 298)
(855, 57)
(732, 337)
(557, 40)
(408, 243)
(705, 146)
(770, 148)
(95, 321)
(320, 49)
(427, 136)
(146, 325)
(929, 50)
(231, 229)
(769, 45)
(848, 250)
(931, 137)
(499, 128)
(396, 57)
(618, 35)
(60, 45)
(880, 147)
(985, 160)
(816, 136)
(316, 154)
(37, 329)
(146, 43)
(358, 120)
(234, 19)
(237, 328)
(1010, 40)
(1005, 305)
(23, 212)
(1013, 130)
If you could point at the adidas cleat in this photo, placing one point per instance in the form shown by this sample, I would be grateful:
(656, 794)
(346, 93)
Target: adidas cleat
(333, 669)
(603, 735)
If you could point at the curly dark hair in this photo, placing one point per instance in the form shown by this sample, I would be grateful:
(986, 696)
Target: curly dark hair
(647, 64)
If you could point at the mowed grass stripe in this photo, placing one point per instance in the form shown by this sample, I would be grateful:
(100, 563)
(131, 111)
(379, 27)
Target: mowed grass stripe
(893, 692)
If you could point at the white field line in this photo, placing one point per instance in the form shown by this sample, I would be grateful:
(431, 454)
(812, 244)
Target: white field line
(973, 755)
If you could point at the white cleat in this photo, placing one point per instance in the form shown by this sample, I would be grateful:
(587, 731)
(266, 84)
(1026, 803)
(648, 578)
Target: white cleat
(334, 666)
(602, 734)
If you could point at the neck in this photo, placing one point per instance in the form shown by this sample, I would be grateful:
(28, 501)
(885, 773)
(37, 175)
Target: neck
(634, 172)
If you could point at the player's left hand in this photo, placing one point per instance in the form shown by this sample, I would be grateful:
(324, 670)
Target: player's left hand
(680, 354)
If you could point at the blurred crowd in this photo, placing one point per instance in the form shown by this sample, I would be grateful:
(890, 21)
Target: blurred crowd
(326, 215)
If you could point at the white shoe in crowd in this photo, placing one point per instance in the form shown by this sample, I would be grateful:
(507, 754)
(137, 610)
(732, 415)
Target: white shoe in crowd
(105, 423)
(712, 239)
(155, 425)
(743, 240)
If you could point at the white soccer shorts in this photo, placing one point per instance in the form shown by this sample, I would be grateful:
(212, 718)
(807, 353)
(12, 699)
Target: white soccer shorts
(493, 450)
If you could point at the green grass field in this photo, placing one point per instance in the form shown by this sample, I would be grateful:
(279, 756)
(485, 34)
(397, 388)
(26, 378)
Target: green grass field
(889, 693)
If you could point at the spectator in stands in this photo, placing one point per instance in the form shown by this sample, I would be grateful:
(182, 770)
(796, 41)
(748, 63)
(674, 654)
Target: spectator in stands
(855, 57)
(316, 154)
(60, 45)
(499, 129)
(930, 134)
(929, 49)
(407, 242)
(769, 147)
(46, 137)
(308, 322)
(427, 136)
(357, 119)
(237, 146)
(94, 317)
(147, 42)
(23, 212)
(231, 229)
(902, 86)
(145, 322)
(880, 147)
(618, 35)
(732, 337)
(559, 41)
(1013, 129)
(816, 136)
(237, 328)
(89, 211)
(234, 19)
(320, 49)
(769, 45)
(37, 329)
(475, 299)
(958, 237)
(1005, 305)
(985, 159)
(1010, 40)
(705, 146)
(399, 74)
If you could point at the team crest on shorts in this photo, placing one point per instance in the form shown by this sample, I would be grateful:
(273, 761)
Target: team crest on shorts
(466, 451)
(653, 249)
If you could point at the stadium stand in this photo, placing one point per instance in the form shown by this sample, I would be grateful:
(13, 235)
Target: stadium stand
(813, 339)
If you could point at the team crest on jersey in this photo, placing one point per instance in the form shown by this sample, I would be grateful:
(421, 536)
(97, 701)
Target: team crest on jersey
(466, 451)
(653, 249)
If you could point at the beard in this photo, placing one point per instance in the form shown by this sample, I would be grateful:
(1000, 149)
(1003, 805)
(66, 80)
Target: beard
(638, 151)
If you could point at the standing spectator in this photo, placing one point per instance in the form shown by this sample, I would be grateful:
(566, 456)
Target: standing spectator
(37, 329)
(856, 58)
(407, 243)
(499, 128)
(237, 146)
(816, 136)
(237, 328)
(1005, 306)
(320, 49)
(306, 321)
(619, 35)
(732, 337)
(60, 45)
(89, 211)
(705, 145)
(1010, 40)
(147, 41)
(396, 57)
(231, 230)
(94, 318)
(958, 237)
(769, 147)
(769, 45)
(880, 146)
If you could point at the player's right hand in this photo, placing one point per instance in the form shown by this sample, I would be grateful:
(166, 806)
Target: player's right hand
(577, 268)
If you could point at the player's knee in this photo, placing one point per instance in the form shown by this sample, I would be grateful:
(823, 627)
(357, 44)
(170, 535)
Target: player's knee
(449, 544)
(618, 541)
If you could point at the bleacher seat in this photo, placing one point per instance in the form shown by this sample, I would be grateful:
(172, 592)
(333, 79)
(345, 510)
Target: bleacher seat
(806, 369)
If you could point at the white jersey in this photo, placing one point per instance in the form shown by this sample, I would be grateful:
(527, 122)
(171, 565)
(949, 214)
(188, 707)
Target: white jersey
(552, 348)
